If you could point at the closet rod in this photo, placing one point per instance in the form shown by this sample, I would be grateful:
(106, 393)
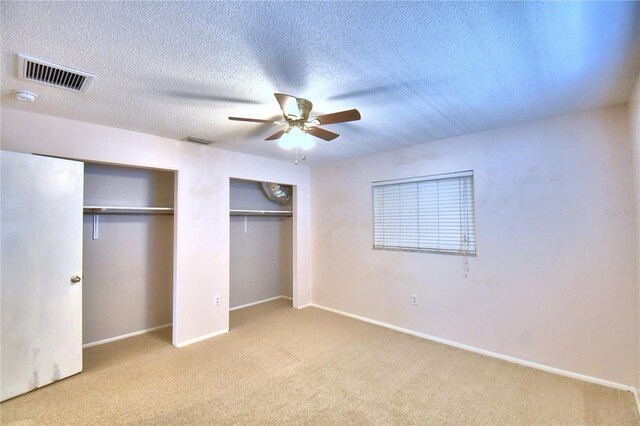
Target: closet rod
(282, 213)
(108, 210)
(97, 211)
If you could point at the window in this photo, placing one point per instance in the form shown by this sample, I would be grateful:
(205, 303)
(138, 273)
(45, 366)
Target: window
(431, 214)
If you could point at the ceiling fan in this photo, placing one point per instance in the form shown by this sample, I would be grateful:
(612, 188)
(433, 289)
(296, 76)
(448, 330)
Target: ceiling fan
(296, 116)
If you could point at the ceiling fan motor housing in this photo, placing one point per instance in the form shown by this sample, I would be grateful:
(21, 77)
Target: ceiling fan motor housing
(296, 114)
(305, 107)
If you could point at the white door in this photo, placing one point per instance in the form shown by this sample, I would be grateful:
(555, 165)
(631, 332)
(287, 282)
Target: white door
(41, 220)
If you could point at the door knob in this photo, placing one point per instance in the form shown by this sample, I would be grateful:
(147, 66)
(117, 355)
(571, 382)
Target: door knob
(75, 279)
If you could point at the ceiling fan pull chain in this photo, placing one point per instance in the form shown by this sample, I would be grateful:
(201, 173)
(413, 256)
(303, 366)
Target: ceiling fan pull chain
(296, 163)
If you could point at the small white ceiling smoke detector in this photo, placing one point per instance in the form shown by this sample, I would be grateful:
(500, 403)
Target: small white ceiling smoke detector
(26, 95)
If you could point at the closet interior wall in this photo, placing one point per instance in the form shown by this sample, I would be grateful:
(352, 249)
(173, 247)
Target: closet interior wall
(261, 247)
(128, 269)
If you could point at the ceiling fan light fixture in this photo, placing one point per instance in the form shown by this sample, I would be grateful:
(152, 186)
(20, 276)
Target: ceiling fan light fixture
(296, 138)
(307, 143)
(285, 142)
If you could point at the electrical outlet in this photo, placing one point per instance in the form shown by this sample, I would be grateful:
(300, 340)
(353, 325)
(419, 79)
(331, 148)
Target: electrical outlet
(414, 299)
(216, 300)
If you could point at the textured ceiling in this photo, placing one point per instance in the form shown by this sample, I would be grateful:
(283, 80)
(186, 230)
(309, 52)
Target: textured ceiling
(416, 71)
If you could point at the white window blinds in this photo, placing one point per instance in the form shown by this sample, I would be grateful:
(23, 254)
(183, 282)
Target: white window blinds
(432, 214)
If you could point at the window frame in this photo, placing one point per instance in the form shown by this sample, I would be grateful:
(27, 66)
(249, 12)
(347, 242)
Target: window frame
(440, 176)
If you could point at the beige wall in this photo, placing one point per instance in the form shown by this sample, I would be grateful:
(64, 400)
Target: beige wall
(106, 185)
(128, 271)
(554, 279)
(260, 259)
(201, 268)
(260, 247)
(246, 194)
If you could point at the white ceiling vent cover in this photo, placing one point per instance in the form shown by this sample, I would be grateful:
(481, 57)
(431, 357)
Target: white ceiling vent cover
(53, 74)
(197, 140)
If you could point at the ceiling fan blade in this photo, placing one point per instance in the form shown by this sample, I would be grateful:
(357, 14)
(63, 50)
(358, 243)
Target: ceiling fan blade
(276, 135)
(338, 117)
(253, 120)
(322, 133)
(288, 105)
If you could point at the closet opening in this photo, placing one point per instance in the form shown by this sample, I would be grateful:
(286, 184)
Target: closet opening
(261, 249)
(128, 253)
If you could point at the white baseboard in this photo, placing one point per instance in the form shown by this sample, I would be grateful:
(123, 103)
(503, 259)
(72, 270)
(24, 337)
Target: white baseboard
(518, 361)
(307, 305)
(226, 330)
(124, 336)
(259, 302)
(200, 338)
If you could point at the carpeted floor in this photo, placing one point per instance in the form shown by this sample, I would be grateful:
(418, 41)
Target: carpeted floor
(279, 365)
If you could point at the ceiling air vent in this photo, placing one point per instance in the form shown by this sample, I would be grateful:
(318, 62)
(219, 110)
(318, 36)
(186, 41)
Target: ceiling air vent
(198, 140)
(53, 74)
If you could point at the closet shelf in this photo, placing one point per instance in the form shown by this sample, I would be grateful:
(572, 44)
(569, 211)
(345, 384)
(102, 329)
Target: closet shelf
(100, 210)
(283, 213)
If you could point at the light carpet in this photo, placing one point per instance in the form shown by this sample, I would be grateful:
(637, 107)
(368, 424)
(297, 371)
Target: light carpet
(279, 365)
